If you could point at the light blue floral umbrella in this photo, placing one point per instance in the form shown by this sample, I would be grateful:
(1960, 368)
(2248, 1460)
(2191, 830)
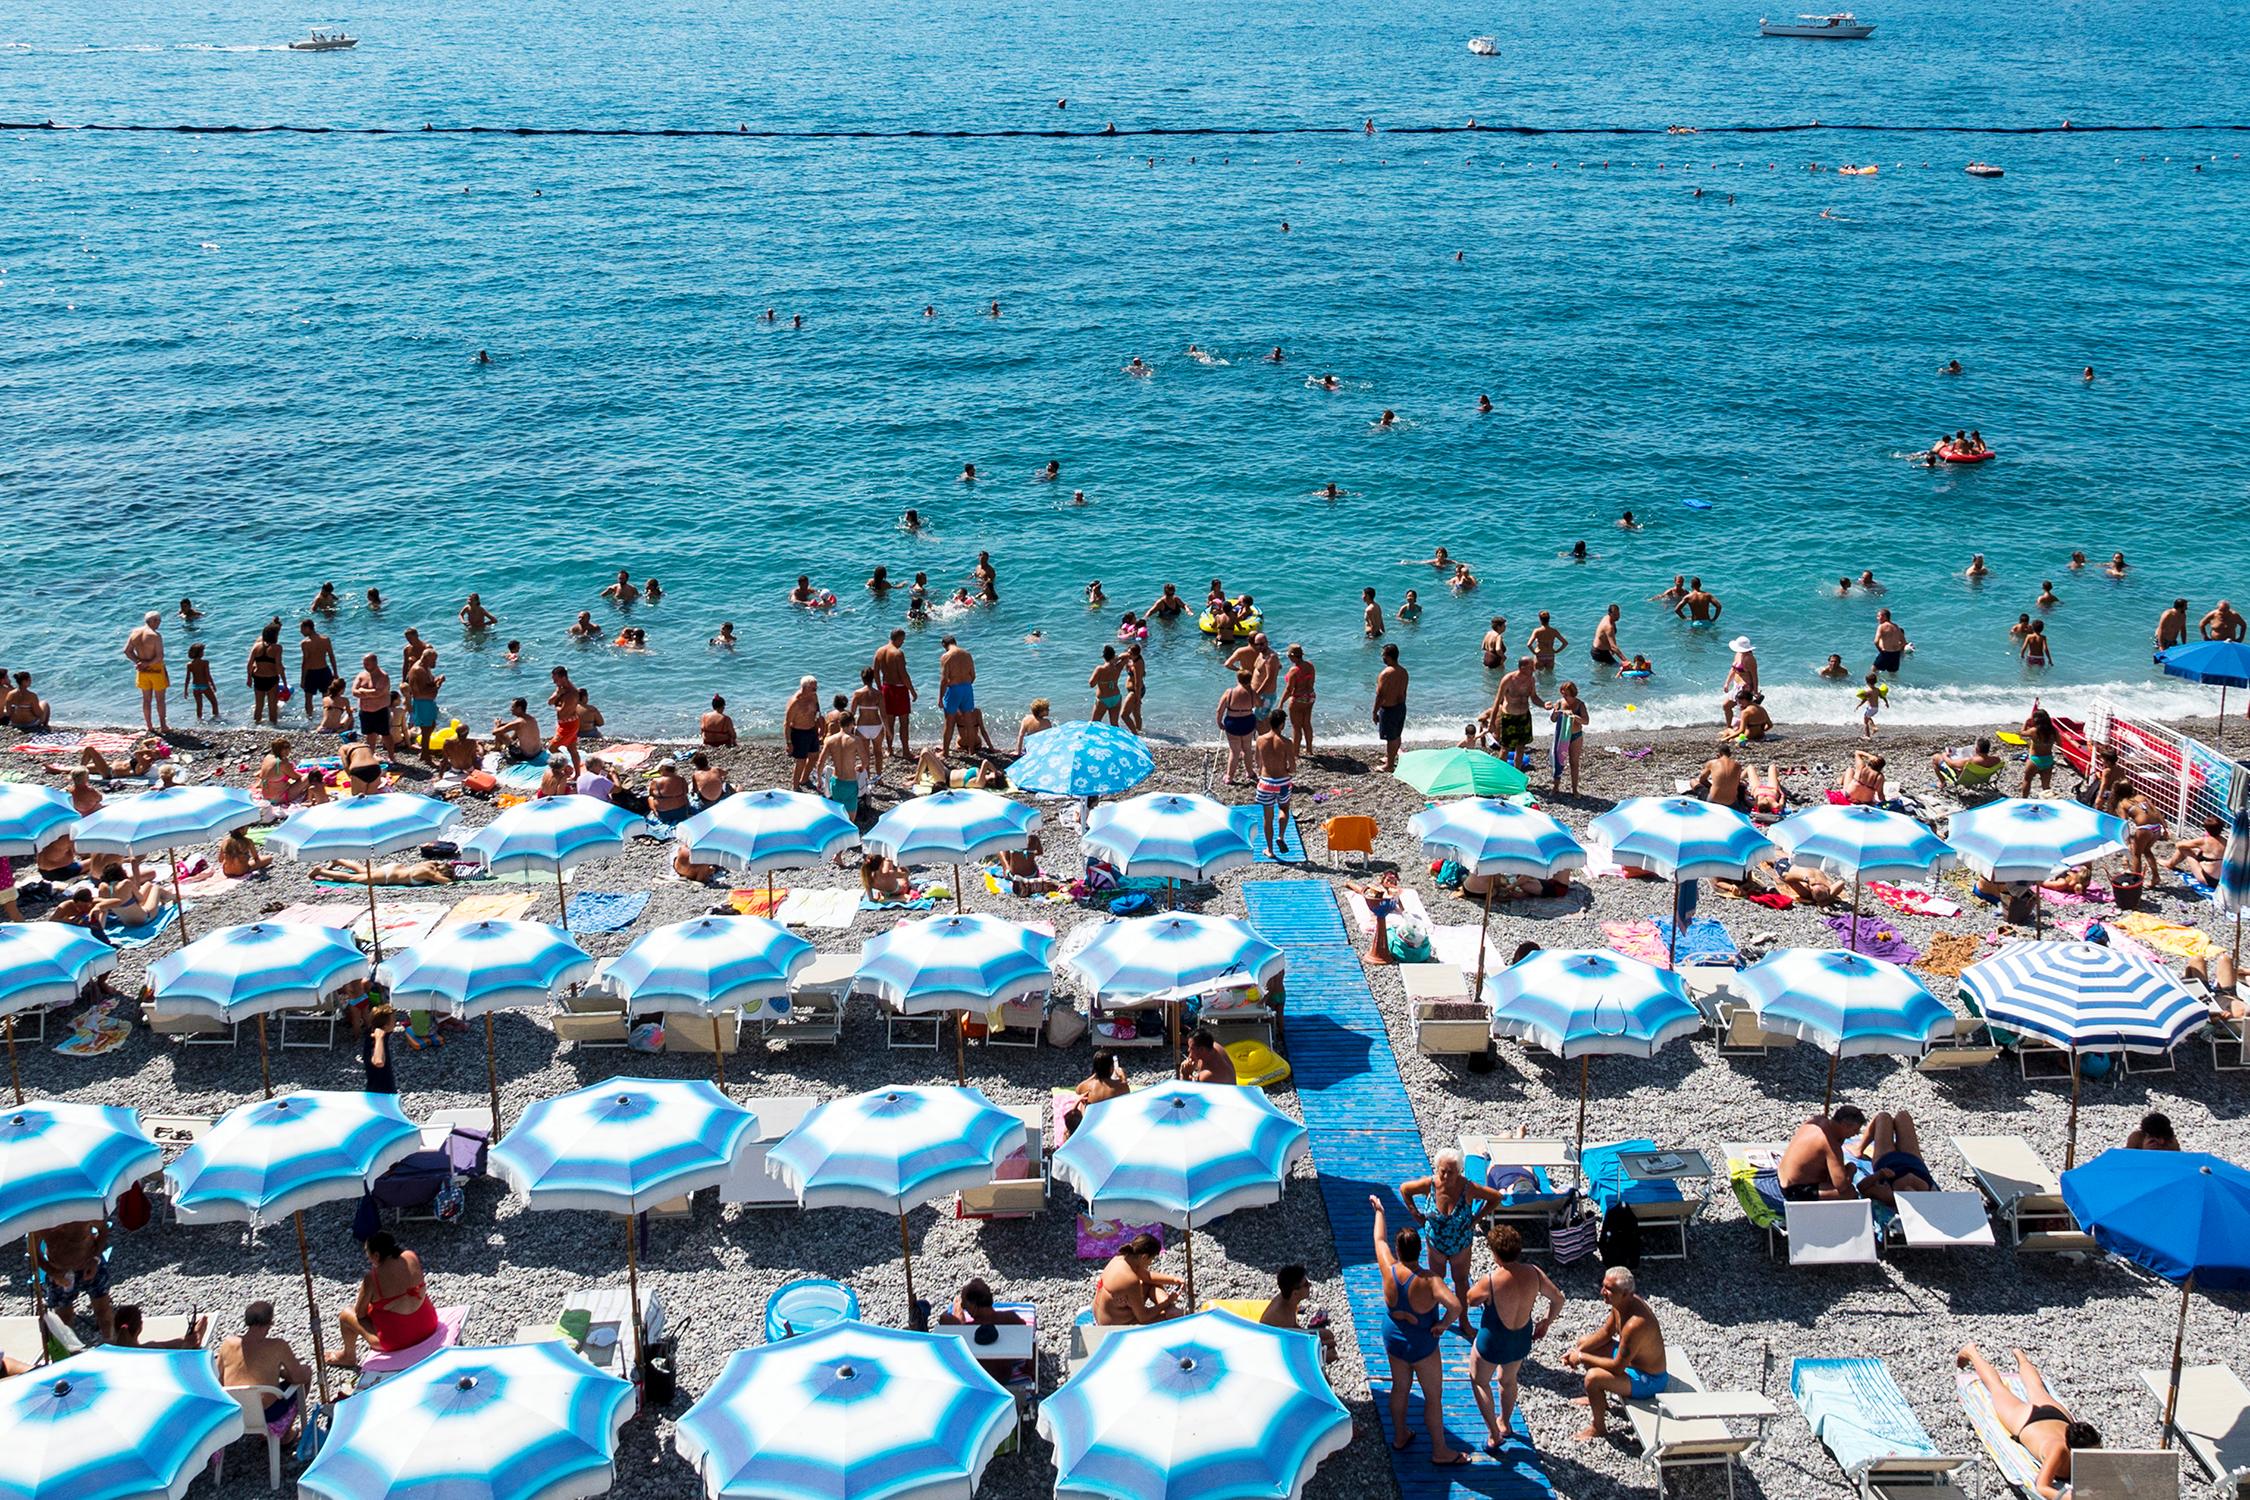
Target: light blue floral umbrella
(1491, 836)
(960, 963)
(518, 1422)
(31, 818)
(1681, 839)
(363, 828)
(1212, 1406)
(1082, 759)
(707, 966)
(67, 1163)
(555, 834)
(1580, 1002)
(757, 833)
(2083, 997)
(252, 970)
(278, 1157)
(2028, 839)
(848, 1410)
(1854, 841)
(475, 968)
(44, 964)
(623, 1146)
(1846, 1004)
(952, 828)
(1170, 836)
(1180, 1152)
(893, 1148)
(114, 1424)
(161, 822)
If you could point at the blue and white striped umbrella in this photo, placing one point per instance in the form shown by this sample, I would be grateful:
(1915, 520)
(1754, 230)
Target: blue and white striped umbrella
(893, 1148)
(234, 973)
(2025, 838)
(114, 1424)
(1180, 1153)
(952, 828)
(1170, 836)
(1082, 759)
(1857, 842)
(708, 965)
(1846, 1004)
(1680, 838)
(757, 832)
(362, 827)
(1211, 1406)
(963, 962)
(1583, 1002)
(67, 1163)
(1491, 836)
(267, 1160)
(166, 818)
(624, 1145)
(519, 1422)
(2233, 889)
(553, 834)
(1176, 954)
(48, 963)
(31, 818)
(475, 968)
(848, 1410)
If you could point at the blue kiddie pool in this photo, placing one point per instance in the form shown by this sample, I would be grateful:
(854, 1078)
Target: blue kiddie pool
(806, 1305)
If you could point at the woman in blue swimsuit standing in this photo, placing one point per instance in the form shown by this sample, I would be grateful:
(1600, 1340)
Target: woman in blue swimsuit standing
(1420, 1304)
(1449, 1220)
(1507, 1329)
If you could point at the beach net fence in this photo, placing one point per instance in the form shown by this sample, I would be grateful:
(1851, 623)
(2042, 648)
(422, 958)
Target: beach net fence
(2186, 779)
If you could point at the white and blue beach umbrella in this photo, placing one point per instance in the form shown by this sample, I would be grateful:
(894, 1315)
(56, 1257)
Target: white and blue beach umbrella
(519, 1422)
(1489, 836)
(2233, 890)
(1856, 841)
(1176, 954)
(848, 1410)
(45, 964)
(707, 966)
(476, 968)
(114, 1424)
(891, 1149)
(552, 834)
(166, 818)
(1846, 1004)
(249, 971)
(68, 1163)
(756, 833)
(1211, 1406)
(1082, 759)
(2026, 838)
(964, 962)
(952, 828)
(1169, 836)
(2082, 997)
(1582, 1002)
(31, 818)
(363, 828)
(1680, 838)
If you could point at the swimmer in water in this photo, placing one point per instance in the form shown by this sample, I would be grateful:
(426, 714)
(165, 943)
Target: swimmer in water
(1577, 552)
(1052, 472)
(1276, 357)
(796, 320)
(1328, 382)
(583, 628)
(1439, 559)
(2047, 597)
(1078, 497)
(2088, 376)
(1331, 491)
(1410, 613)
(995, 312)
(968, 473)
(1976, 571)
(771, 316)
(1463, 579)
(1867, 583)
(1951, 367)
(1834, 669)
(724, 640)
(805, 594)
(879, 581)
(1137, 369)
(1484, 406)
(1095, 598)
(483, 358)
(1672, 595)
(2077, 561)
(514, 654)
(2116, 568)
(1843, 588)
(1626, 522)
(1386, 421)
(911, 521)
(928, 311)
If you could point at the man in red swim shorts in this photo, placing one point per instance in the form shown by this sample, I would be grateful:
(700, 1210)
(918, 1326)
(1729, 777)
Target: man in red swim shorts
(897, 685)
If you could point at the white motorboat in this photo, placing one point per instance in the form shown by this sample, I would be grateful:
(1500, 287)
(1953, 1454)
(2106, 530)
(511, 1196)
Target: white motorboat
(1841, 27)
(324, 41)
(1983, 169)
(1484, 46)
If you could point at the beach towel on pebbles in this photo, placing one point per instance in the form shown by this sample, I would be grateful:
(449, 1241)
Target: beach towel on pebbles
(337, 914)
(1915, 899)
(1877, 938)
(404, 923)
(2166, 937)
(523, 776)
(489, 906)
(605, 911)
(144, 933)
(1703, 940)
(831, 909)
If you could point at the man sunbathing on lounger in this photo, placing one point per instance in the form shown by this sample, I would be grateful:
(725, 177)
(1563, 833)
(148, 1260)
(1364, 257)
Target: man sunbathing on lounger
(1623, 1357)
(2035, 1419)
(1812, 1166)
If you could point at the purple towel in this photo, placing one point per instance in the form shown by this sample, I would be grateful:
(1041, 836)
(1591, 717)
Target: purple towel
(1877, 938)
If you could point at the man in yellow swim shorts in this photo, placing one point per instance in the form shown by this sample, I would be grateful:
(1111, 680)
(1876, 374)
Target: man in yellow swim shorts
(144, 648)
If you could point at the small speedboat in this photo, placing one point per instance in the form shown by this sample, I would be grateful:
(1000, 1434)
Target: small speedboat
(1840, 27)
(324, 41)
(1484, 46)
(1983, 169)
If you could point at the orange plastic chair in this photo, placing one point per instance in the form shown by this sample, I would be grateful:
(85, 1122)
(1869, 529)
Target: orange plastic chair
(1351, 834)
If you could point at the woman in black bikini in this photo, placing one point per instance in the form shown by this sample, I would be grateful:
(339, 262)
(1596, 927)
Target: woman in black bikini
(2035, 1419)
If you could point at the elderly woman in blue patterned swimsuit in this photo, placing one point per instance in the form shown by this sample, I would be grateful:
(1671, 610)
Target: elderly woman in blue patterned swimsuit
(1448, 1220)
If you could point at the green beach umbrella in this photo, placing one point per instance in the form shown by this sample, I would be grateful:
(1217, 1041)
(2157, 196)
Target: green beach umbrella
(1460, 773)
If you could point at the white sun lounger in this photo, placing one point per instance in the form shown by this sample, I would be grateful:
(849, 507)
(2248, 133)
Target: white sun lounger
(1831, 1232)
(2023, 1191)
(1690, 1425)
(750, 1183)
(2213, 1421)
(1861, 1417)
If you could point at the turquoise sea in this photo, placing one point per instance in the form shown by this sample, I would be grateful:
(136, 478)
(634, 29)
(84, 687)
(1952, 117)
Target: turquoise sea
(236, 365)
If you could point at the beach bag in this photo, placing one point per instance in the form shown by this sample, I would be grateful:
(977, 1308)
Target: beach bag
(1132, 904)
(450, 1202)
(314, 1433)
(1575, 1235)
(132, 1208)
(1409, 942)
(480, 781)
(646, 1037)
(366, 1219)
(1621, 1238)
(1065, 1027)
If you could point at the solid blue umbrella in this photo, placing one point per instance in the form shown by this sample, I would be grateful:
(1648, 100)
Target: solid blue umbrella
(1489, 836)
(2223, 664)
(1681, 839)
(31, 818)
(2183, 1214)
(848, 1410)
(252, 970)
(1180, 1152)
(279, 1157)
(2083, 997)
(965, 962)
(892, 1148)
(476, 968)
(161, 822)
(1170, 836)
(1212, 1406)
(45, 964)
(67, 1163)
(1082, 759)
(709, 965)
(519, 1422)
(2028, 839)
(1847, 1004)
(114, 1424)
(1576, 1003)
(952, 828)
(363, 828)
(555, 834)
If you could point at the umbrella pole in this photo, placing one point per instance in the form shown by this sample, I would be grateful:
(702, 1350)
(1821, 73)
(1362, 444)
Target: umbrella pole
(180, 901)
(312, 1308)
(1585, 1070)
(961, 1048)
(265, 1070)
(374, 923)
(1672, 948)
(1855, 911)
(562, 903)
(2038, 910)
(1171, 895)
(957, 888)
(2172, 1394)
(15, 1079)
(633, 1290)
(2070, 1148)
(1187, 1240)
(1828, 1095)
(718, 1052)
(769, 894)
(906, 1254)
(492, 1077)
(1476, 992)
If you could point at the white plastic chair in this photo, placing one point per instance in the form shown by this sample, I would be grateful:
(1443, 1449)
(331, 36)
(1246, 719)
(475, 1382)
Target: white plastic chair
(253, 1400)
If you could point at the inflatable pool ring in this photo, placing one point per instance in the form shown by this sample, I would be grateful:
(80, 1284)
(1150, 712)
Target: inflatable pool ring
(821, 599)
(1130, 633)
(1632, 676)
(1953, 455)
(1246, 625)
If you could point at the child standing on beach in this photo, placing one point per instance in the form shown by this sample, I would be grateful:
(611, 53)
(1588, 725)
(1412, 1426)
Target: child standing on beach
(1870, 703)
(200, 682)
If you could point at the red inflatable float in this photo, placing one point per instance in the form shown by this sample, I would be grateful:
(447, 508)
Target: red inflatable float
(1953, 455)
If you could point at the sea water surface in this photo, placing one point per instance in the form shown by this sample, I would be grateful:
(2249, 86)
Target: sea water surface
(237, 365)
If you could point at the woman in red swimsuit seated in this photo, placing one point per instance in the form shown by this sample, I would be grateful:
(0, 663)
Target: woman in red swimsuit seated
(392, 1311)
